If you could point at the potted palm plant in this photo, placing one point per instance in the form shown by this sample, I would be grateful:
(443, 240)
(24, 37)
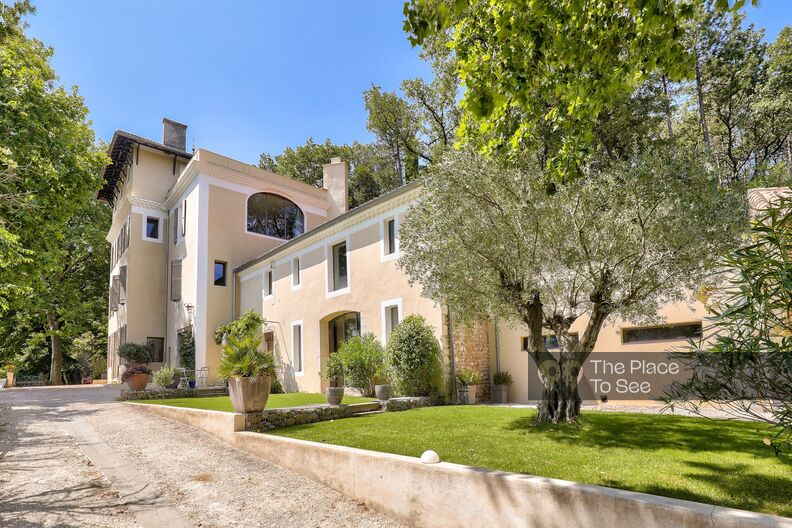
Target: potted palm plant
(334, 374)
(136, 357)
(248, 370)
(500, 387)
(468, 380)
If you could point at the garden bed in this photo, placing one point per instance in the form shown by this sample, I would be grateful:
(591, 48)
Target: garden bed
(709, 461)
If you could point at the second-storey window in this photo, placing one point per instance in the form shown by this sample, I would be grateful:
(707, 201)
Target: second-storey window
(219, 273)
(340, 266)
(268, 282)
(152, 227)
(296, 271)
(390, 233)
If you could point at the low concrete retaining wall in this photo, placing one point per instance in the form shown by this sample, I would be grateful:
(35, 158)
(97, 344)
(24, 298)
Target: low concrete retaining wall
(451, 495)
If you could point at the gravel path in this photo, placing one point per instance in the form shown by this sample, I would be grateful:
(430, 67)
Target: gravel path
(46, 480)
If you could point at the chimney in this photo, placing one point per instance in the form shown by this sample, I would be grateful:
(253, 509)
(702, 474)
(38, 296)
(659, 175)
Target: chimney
(335, 179)
(174, 134)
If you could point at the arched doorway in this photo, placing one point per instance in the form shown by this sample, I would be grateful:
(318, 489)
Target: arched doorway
(341, 328)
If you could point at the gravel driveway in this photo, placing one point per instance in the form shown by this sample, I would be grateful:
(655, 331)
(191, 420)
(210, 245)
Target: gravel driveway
(47, 481)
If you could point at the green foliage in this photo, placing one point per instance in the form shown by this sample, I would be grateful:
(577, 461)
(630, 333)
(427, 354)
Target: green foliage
(466, 376)
(86, 352)
(746, 367)
(412, 357)
(242, 358)
(276, 387)
(99, 366)
(333, 370)
(164, 376)
(502, 378)
(363, 360)
(186, 345)
(543, 74)
(247, 323)
(134, 353)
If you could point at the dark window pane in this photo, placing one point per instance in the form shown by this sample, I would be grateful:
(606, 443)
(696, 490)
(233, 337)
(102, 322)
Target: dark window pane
(339, 266)
(219, 273)
(655, 333)
(551, 341)
(342, 328)
(273, 215)
(391, 237)
(152, 227)
(157, 346)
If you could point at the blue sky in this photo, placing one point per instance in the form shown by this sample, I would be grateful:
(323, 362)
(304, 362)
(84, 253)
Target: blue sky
(246, 76)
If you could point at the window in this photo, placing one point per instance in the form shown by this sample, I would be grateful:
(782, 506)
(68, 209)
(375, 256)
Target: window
(660, 333)
(390, 233)
(174, 220)
(176, 279)
(152, 228)
(115, 292)
(219, 273)
(268, 283)
(550, 341)
(295, 272)
(269, 342)
(342, 328)
(391, 317)
(157, 346)
(297, 346)
(122, 284)
(184, 217)
(339, 266)
(275, 216)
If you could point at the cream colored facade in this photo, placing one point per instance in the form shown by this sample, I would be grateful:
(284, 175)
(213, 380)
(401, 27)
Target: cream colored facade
(201, 201)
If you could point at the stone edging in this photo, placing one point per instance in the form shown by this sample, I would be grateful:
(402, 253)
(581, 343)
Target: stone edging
(149, 394)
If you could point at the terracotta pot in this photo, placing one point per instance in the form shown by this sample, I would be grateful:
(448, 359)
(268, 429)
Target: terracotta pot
(383, 392)
(249, 394)
(500, 393)
(335, 395)
(137, 382)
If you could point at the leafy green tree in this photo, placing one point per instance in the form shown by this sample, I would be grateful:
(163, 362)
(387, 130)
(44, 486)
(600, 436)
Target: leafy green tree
(745, 369)
(529, 67)
(412, 358)
(304, 162)
(50, 168)
(363, 359)
(632, 235)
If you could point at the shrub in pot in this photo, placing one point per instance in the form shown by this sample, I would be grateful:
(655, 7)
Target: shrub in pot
(468, 380)
(500, 387)
(333, 372)
(249, 322)
(412, 358)
(136, 377)
(363, 360)
(248, 370)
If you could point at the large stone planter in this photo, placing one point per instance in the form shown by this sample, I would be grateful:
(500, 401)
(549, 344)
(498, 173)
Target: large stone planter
(137, 382)
(10, 377)
(467, 394)
(335, 395)
(249, 394)
(500, 394)
(383, 392)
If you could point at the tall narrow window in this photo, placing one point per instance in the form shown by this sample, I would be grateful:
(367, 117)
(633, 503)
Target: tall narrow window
(157, 347)
(296, 271)
(391, 316)
(219, 273)
(340, 266)
(176, 280)
(152, 227)
(268, 282)
(174, 219)
(297, 345)
(390, 228)
(184, 218)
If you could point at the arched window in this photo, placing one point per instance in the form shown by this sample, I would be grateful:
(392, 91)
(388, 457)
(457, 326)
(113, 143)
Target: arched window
(273, 215)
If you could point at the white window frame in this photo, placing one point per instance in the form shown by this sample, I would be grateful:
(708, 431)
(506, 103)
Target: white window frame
(384, 305)
(299, 323)
(296, 272)
(384, 256)
(330, 271)
(147, 238)
(268, 295)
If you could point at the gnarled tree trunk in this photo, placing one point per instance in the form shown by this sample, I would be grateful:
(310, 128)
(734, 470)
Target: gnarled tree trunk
(560, 397)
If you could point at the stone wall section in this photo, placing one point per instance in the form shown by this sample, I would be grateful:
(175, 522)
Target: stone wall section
(150, 394)
(472, 351)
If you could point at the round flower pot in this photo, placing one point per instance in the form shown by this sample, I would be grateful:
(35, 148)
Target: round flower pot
(137, 382)
(335, 395)
(383, 392)
(249, 394)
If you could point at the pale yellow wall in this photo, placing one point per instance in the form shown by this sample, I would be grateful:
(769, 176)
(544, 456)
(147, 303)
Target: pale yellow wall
(371, 281)
(516, 361)
(156, 173)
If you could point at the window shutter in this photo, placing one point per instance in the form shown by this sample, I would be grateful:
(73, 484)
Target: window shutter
(114, 293)
(176, 280)
(122, 292)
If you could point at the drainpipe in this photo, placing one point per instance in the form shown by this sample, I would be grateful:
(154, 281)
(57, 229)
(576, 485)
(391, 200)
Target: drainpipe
(497, 346)
(235, 282)
(451, 352)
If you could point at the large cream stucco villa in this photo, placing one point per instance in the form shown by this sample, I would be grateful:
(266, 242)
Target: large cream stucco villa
(198, 238)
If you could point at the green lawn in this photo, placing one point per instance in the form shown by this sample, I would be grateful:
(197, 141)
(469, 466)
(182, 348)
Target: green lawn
(223, 403)
(709, 461)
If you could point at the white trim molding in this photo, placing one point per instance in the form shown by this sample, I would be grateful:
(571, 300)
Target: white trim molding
(384, 255)
(329, 265)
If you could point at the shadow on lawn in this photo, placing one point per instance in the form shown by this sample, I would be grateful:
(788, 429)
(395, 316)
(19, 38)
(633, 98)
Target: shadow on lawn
(650, 432)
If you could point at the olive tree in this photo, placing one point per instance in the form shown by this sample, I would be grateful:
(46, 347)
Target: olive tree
(628, 237)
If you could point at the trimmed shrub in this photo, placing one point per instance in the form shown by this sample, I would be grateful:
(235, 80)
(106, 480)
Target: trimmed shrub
(248, 322)
(333, 371)
(363, 359)
(412, 358)
(276, 387)
(164, 376)
(135, 353)
(466, 376)
(186, 347)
